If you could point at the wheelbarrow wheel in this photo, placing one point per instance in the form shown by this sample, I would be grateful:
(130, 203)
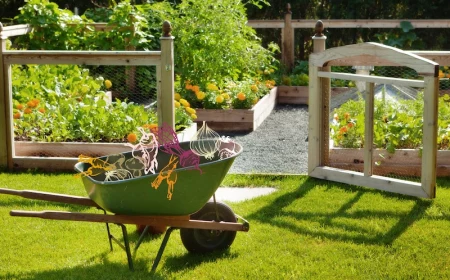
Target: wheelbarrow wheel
(205, 241)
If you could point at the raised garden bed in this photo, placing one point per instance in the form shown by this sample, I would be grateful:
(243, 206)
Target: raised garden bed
(404, 162)
(64, 155)
(239, 119)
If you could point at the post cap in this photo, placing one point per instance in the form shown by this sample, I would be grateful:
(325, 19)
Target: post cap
(319, 29)
(166, 29)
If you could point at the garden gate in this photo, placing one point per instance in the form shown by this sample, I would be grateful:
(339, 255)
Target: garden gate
(370, 54)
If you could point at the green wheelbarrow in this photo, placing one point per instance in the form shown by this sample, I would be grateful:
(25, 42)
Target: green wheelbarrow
(179, 195)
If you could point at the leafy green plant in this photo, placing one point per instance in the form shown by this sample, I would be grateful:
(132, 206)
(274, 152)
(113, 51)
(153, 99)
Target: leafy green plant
(215, 48)
(396, 125)
(57, 103)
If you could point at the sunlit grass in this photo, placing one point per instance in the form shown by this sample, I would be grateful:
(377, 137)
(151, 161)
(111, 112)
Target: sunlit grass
(307, 229)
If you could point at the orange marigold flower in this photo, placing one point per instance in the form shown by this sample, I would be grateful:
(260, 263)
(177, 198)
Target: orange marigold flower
(27, 111)
(132, 137)
(346, 116)
(241, 96)
(343, 129)
(42, 110)
(17, 115)
(19, 106)
(31, 104)
(36, 101)
(188, 86)
(350, 125)
(195, 89)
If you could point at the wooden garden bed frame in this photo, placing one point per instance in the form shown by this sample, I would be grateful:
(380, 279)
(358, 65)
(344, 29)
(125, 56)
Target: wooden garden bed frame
(163, 60)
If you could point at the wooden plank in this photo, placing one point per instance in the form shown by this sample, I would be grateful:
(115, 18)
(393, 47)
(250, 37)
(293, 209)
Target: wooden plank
(315, 119)
(375, 182)
(174, 221)
(440, 57)
(14, 30)
(4, 117)
(255, 23)
(264, 108)
(412, 171)
(54, 197)
(84, 57)
(166, 105)
(362, 60)
(229, 126)
(292, 94)
(397, 56)
(372, 79)
(220, 115)
(368, 129)
(402, 157)
(45, 163)
(287, 43)
(430, 122)
(353, 23)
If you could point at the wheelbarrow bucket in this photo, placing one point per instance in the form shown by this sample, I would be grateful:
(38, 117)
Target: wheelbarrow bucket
(137, 196)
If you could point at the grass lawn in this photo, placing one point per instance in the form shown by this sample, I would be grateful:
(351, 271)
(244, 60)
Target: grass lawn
(308, 229)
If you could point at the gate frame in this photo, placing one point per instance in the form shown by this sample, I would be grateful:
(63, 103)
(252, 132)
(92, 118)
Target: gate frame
(369, 54)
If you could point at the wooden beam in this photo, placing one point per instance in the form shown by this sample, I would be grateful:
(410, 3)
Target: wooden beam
(165, 106)
(430, 122)
(268, 23)
(372, 79)
(3, 105)
(14, 30)
(368, 132)
(421, 65)
(375, 182)
(83, 57)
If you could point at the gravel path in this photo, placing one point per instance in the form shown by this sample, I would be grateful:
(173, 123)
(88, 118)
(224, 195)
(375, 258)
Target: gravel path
(279, 145)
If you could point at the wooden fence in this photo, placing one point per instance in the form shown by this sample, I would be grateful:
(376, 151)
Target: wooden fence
(288, 25)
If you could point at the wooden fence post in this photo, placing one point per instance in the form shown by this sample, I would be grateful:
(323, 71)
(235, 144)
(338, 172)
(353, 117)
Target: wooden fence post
(287, 40)
(130, 71)
(165, 75)
(319, 107)
(6, 145)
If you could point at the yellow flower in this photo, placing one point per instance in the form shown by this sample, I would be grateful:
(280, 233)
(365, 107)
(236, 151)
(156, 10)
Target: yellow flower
(190, 110)
(219, 99)
(177, 96)
(200, 95)
(255, 100)
(226, 96)
(108, 84)
(194, 116)
(177, 104)
(211, 86)
(184, 102)
(254, 88)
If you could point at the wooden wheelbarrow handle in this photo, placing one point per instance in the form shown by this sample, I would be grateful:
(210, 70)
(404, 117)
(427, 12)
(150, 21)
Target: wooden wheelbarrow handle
(173, 221)
(54, 197)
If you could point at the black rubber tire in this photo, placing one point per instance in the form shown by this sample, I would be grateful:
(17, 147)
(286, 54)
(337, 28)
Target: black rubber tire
(205, 241)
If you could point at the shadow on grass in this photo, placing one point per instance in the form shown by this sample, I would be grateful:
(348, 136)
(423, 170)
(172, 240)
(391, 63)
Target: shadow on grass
(190, 260)
(332, 226)
(103, 270)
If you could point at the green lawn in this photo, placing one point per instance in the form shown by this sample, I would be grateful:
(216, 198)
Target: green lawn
(308, 229)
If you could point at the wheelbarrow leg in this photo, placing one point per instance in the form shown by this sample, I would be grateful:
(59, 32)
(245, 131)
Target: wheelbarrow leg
(161, 248)
(109, 233)
(127, 246)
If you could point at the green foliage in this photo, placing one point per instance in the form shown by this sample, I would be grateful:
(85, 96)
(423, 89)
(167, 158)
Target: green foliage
(210, 47)
(396, 125)
(58, 103)
(403, 39)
